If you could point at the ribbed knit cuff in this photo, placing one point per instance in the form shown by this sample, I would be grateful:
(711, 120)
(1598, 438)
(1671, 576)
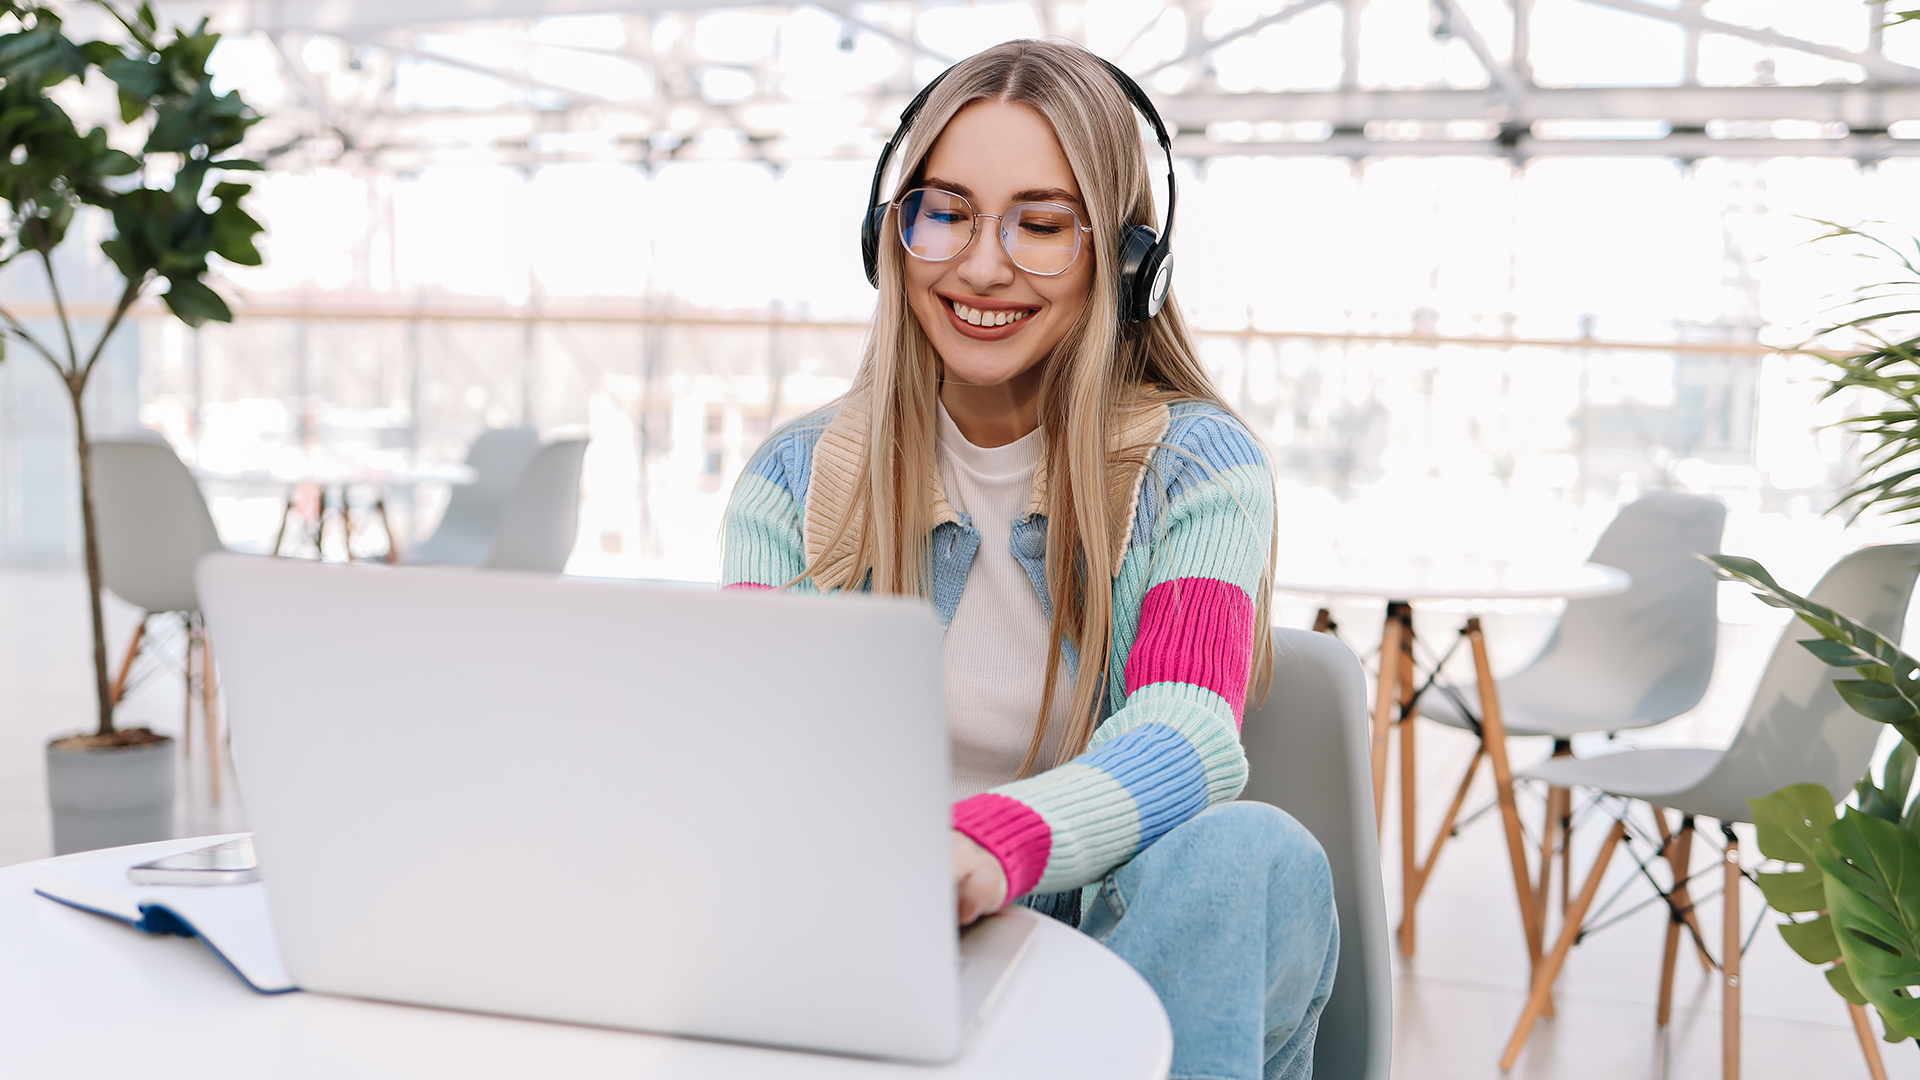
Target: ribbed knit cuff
(747, 586)
(1012, 832)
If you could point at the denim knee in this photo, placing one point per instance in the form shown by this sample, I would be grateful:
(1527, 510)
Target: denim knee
(1240, 836)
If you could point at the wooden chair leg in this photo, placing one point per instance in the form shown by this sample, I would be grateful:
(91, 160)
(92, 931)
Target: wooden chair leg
(1409, 776)
(126, 662)
(1323, 622)
(1550, 968)
(209, 707)
(186, 677)
(1493, 734)
(1446, 823)
(1385, 693)
(1678, 851)
(1543, 885)
(286, 515)
(1869, 1043)
(1730, 962)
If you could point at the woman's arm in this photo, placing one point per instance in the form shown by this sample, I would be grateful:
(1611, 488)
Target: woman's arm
(1173, 746)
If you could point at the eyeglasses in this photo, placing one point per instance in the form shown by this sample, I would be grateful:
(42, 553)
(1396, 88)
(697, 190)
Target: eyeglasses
(1041, 238)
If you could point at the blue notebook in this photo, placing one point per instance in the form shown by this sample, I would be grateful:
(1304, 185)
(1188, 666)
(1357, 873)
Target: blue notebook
(233, 920)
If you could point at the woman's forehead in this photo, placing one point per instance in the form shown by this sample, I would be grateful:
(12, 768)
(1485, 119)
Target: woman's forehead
(998, 151)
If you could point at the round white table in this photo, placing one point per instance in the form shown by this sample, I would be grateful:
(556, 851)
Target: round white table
(1401, 580)
(84, 996)
(330, 478)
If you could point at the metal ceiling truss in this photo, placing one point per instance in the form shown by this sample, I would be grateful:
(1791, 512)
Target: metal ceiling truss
(356, 109)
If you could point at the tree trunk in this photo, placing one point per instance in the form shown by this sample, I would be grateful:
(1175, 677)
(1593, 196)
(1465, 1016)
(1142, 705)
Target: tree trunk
(76, 388)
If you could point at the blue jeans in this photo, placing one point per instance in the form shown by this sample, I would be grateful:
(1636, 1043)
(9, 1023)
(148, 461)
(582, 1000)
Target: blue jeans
(1229, 917)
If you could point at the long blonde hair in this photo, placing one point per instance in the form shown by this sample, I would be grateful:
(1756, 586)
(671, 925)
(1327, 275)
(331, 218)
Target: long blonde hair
(1099, 366)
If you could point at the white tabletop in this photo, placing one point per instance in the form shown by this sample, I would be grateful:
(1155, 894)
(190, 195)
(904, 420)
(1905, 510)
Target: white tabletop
(335, 473)
(1423, 578)
(83, 996)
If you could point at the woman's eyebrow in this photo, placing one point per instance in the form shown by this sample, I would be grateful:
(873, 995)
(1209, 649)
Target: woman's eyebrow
(956, 187)
(1052, 194)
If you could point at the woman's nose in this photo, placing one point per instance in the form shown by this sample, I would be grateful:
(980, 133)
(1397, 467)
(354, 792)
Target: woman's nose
(985, 265)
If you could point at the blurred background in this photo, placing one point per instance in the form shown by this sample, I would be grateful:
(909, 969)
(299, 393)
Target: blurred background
(1479, 272)
(1514, 262)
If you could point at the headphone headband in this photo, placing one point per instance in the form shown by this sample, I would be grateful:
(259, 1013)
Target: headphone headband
(1146, 256)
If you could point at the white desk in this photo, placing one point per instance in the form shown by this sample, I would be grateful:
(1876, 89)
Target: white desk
(82, 996)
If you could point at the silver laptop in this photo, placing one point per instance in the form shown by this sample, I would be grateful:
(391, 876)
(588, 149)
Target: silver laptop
(640, 806)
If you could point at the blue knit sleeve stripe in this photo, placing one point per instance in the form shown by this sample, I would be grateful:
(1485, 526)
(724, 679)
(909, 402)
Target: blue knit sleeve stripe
(1161, 770)
(786, 458)
(1203, 441)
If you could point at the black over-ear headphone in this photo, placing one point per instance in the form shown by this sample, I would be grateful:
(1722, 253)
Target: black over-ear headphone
(1146, 256)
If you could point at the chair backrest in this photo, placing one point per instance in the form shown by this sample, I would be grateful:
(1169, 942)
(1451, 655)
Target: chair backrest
(152, 523)
(541, 518)
(1307, 753)
(465, 534)
(1646, 654)
(1798, 730)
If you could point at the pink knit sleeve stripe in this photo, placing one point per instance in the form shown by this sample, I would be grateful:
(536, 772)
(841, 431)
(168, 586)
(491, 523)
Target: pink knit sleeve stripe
(1195, 630)
(746, 586)
(1013, 832)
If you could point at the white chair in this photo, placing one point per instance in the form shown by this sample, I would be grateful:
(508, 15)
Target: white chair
(542, 516)
(1613, 663)
(1308, 753)
(497, 456)
(153, 527)
(1797, 730)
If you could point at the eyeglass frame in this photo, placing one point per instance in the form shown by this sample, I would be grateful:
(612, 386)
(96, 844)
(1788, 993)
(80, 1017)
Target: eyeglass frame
(899, 230)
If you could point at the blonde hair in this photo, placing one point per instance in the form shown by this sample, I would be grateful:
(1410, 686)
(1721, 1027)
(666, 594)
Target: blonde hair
(1092, 374)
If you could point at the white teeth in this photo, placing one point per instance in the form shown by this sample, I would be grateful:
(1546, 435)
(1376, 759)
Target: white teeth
(977, 317)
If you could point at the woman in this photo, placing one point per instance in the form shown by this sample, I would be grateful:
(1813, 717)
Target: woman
(1095, 528)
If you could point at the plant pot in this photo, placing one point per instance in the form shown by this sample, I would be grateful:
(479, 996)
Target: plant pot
(109, 796)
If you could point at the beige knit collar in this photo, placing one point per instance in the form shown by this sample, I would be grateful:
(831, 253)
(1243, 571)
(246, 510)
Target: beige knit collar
(837, 465)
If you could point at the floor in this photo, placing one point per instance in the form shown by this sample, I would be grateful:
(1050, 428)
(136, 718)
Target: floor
(1455, 1000)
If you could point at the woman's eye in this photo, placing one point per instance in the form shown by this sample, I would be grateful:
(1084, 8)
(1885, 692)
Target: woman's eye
(945, 217)
(1040, 229)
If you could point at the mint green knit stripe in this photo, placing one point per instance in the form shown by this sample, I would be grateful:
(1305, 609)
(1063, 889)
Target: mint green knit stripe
(1130, 587)
(1221, 530)
(1203, 717)
(1095, 824)
(763, 543)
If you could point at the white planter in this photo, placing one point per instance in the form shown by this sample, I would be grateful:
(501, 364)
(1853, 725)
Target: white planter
(109, 797)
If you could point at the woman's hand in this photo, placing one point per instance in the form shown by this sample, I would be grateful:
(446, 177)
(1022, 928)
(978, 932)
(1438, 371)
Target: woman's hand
(978, 880)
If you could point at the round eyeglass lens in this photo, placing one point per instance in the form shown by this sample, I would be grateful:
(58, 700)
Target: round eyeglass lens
(935, 225)
(1041, 238)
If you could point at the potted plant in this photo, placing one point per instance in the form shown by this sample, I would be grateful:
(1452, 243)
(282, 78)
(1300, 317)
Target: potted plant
(1849, 890)
(171, 210)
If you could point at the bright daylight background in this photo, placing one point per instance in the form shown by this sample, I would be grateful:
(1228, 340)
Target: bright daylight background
(643, 227)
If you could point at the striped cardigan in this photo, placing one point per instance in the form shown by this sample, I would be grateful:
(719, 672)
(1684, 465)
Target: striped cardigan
(1194, 529)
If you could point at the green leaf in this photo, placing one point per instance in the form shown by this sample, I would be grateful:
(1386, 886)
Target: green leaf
(1813, 940)
(1880, 701)
(1795, 891)
(1871, 867)
(1842, 984)
(194, 303)
(1791, 825)
(1836, 653)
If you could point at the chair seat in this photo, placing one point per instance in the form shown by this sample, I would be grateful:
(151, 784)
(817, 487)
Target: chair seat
(1639, 774)
(1561, 719)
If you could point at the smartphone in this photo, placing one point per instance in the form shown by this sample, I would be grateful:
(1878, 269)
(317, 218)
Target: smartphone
(231, 863)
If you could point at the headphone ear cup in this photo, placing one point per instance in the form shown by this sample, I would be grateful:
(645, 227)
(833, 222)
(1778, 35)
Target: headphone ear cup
(1136, 251)
(870, 231)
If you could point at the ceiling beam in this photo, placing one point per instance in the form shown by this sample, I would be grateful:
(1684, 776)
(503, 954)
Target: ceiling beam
(1687, 146)
(1870, 107)
(1690, 16)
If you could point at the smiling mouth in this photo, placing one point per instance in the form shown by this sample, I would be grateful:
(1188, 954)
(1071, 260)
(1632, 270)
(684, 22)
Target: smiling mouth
(986, 320)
